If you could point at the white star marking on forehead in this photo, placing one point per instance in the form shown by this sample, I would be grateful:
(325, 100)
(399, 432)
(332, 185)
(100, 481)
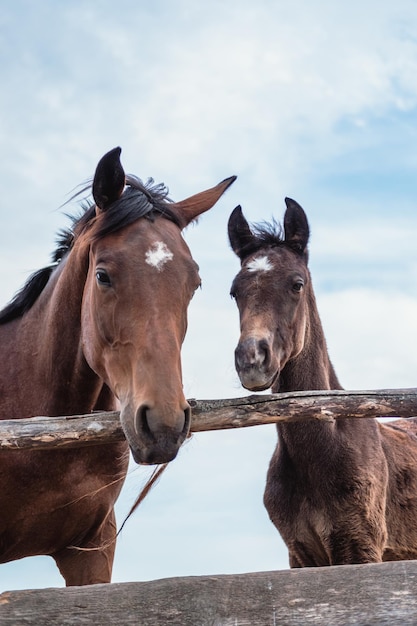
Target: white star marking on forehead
(259, 264)
(157, 255)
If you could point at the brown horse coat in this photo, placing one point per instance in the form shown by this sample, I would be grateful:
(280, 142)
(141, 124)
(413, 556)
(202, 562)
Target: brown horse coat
(104, 324)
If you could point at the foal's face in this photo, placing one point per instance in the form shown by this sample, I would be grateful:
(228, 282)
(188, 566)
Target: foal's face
(140, 282)
(271, 294)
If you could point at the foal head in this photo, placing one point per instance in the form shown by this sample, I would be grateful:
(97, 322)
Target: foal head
(271, 292)
(141, 278)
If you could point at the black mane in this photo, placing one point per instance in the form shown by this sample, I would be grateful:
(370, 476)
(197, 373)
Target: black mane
(262, 235)
(138, 200)
(268, 233)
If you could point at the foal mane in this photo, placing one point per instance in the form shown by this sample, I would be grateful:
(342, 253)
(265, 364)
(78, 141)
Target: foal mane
(268, 233)
(264, 235)
(138, 200)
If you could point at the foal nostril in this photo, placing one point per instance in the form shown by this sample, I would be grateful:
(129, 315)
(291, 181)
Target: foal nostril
(252, 353)
(245, 353)
(264, 354)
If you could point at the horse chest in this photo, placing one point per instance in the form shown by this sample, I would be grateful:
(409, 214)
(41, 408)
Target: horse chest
(41, 515)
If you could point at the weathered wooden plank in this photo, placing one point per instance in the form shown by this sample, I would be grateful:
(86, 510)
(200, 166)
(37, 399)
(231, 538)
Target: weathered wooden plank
(372, 595)
(71, 431)
(297, 406)
(60, 432)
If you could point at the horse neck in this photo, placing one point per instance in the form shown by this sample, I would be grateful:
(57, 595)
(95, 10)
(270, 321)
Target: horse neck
(310, 370)
(63, 383)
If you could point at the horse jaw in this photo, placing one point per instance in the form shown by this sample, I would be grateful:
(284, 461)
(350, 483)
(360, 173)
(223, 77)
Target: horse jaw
(251, 382)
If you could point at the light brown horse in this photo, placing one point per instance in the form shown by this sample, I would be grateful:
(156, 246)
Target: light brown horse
(104, 323)
(342, 492)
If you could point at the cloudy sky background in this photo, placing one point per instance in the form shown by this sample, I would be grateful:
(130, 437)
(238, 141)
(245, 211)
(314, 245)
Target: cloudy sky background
(312, 100)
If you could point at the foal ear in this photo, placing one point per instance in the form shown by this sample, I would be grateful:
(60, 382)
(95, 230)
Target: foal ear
(241, 237)
(190, 208)
(296, 227)
(109, 180)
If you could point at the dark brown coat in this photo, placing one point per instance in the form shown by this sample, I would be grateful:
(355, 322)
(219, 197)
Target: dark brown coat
(338, 492)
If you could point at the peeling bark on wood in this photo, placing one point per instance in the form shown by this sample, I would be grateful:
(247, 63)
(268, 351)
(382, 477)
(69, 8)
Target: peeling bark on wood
(372, 595)
(100, 428)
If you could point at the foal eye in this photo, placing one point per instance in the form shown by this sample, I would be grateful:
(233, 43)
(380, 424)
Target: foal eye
(298, 285)
(103, 278)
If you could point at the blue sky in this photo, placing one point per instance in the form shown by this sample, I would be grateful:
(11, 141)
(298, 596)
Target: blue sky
(316, 101)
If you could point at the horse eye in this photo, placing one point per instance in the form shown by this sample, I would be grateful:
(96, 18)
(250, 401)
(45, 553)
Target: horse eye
(103, 278)
(199, 286)
(298, 285)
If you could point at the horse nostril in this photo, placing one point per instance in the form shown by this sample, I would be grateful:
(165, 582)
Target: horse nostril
(142, 427)
(252, 353)
(264, 354)
(245, 353)
(187, 421)
(147, 428)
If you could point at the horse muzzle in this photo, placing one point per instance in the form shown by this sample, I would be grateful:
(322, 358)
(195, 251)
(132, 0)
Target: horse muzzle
(153, 439)
(255, 365)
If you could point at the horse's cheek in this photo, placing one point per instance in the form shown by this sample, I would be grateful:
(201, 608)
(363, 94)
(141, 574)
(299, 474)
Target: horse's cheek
(93, 333)
(299, 339)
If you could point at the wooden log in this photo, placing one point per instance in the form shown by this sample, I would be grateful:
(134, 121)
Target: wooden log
(298, 406)
(372, 595)
(99, 428)
(43, 433)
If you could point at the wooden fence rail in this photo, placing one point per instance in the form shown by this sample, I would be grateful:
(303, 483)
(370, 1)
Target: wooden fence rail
(372, 595)
(99, 428)
(382, 594)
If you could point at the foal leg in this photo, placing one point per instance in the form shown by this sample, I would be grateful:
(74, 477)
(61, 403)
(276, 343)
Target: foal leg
(91, 563)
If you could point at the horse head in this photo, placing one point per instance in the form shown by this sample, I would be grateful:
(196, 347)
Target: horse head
(141, 278)
(271, 292)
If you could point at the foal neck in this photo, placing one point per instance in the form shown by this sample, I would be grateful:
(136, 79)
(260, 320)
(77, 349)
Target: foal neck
(312, 368)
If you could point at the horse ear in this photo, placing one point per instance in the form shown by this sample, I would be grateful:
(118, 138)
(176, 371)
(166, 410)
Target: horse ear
(190, 208)
(240, 235)
(296, 229)
(109, 180)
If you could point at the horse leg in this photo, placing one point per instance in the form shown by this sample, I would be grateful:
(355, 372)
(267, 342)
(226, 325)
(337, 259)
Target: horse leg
(92, 563)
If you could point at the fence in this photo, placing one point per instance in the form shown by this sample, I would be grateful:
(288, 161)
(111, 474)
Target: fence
(98, 428)
(373, 594)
